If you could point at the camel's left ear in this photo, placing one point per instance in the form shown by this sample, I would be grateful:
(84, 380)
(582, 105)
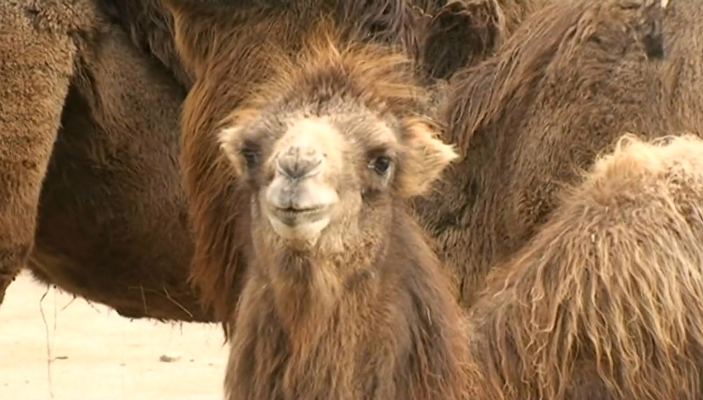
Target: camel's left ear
(424, 157)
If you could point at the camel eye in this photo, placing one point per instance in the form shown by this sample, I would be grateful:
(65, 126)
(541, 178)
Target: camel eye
(381, 165)
(250, 153)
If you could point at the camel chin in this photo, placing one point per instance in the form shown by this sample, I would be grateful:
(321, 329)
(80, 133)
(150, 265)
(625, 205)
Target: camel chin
(306, 227)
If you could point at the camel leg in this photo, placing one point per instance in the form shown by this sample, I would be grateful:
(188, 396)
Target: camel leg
(36, 62)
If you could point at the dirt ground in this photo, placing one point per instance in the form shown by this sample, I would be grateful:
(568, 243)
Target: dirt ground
(87, 352)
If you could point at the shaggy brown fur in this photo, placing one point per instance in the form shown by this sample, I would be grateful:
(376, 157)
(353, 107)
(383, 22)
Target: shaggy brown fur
(527, 116)
(561, 91)
(516, 11)
(460, 34)
(373, 320)
(605, 302)
(151, 26)
(37, 55)
(463, 33)
(218, 264)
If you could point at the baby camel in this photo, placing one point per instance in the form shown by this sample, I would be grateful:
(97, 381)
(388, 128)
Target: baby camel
(343, 298)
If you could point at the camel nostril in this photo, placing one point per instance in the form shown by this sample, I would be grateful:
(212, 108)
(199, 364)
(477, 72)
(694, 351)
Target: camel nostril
(299, 163)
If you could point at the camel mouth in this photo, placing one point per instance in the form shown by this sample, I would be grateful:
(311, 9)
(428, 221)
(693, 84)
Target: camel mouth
(299, 209)
(292, 216)
(299, 223)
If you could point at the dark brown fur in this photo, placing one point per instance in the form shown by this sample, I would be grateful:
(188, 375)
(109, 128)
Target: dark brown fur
(604, 303)
(463, 33)
(91, 125)
(112, 224)
(150, 28)
(353, 326)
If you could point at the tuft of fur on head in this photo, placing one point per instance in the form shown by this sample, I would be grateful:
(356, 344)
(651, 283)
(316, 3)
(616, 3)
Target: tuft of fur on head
(379, 77)
(607, 300)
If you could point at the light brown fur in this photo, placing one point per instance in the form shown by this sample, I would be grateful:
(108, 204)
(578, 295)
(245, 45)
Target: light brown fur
(604, 302)
(362, 312)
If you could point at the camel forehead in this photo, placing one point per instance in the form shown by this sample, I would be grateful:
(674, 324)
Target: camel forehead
(311, 132)
(334, 136)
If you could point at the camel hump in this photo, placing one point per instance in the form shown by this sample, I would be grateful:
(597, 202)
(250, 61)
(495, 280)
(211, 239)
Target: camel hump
(640, 167)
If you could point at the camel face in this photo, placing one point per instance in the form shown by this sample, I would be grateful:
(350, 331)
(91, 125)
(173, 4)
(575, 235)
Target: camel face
(313, 172)
(325, 175)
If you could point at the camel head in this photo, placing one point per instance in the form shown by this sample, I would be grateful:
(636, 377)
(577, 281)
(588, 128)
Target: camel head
(313, 171)
(326, 155)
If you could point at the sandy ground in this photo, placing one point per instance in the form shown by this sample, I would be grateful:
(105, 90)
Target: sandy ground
(88, 352)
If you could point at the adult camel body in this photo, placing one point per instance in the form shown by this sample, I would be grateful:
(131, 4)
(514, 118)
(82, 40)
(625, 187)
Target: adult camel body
(605, 301)
(91, 194)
